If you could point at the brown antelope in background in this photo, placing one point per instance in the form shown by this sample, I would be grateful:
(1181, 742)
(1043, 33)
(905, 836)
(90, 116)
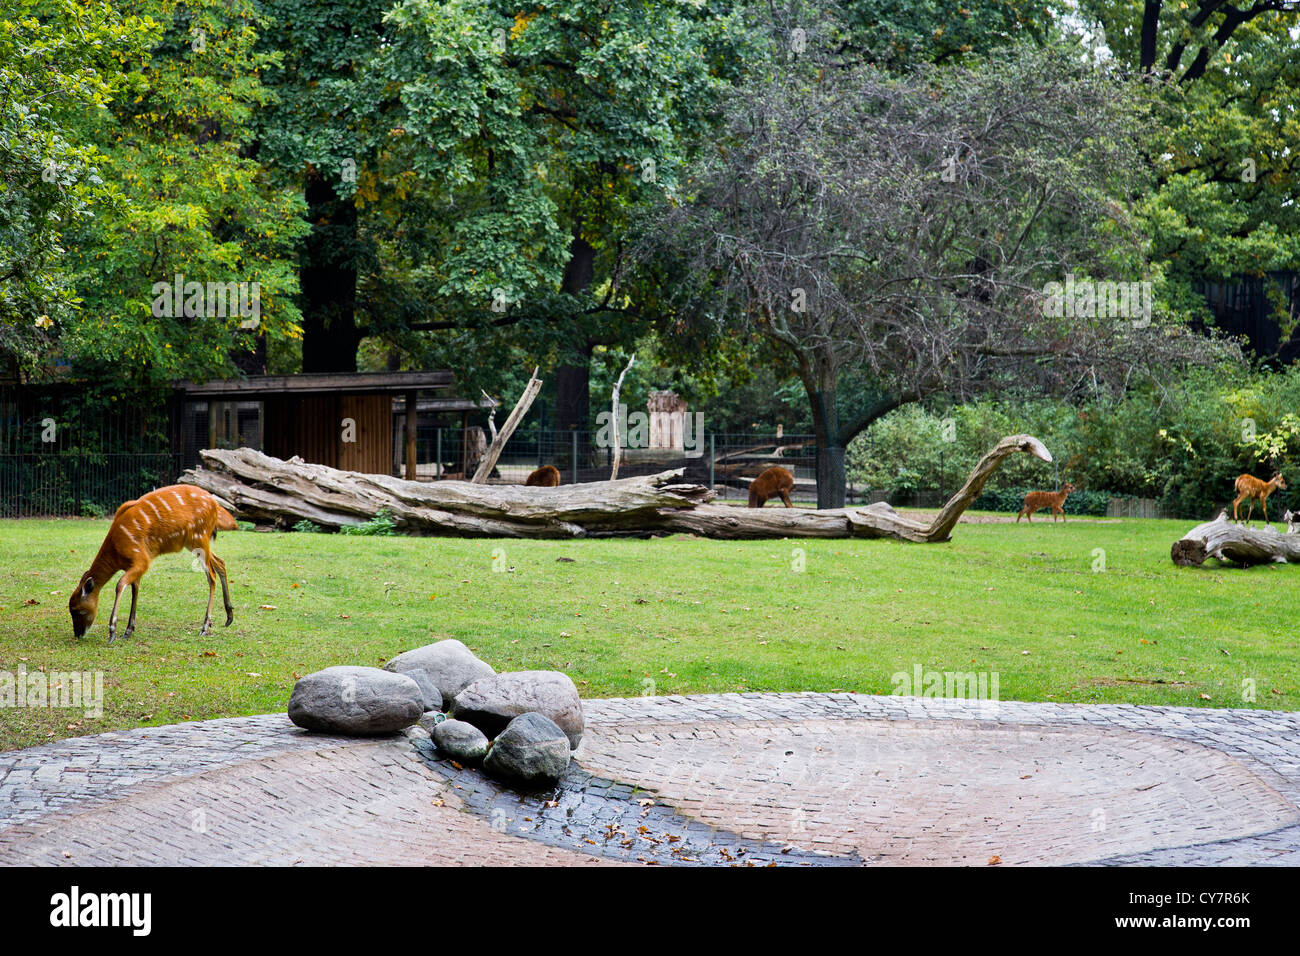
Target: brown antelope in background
(1038, 500)
(1248, 486)
(548, 476)
(774, 482)
(162, 522)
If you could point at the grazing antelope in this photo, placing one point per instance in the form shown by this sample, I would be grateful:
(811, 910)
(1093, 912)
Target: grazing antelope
(548, 476)
(775, 481)
(1248, 486)
(1038, 500)
(162, 522)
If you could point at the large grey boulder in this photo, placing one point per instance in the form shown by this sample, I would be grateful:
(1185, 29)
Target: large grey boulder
(356, 701)
(460, 741)
(532, 750)
(491, 703)
(442, 670)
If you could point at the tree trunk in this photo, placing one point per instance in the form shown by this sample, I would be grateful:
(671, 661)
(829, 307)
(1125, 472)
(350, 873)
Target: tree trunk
(1228, 541)
(573, 378)
(328, 276)
(831, 483)
(264, 489)
(826, 425)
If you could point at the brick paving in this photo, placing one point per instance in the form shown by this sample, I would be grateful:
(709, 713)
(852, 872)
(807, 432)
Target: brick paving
(800, 779)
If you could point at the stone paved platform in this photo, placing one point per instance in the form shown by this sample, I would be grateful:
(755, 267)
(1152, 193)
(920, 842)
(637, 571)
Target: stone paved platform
(744, 779)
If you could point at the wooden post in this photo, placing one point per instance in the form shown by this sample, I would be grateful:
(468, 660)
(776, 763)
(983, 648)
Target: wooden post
(438, 454)
(411, 416)
(574, 433)
(713, 459)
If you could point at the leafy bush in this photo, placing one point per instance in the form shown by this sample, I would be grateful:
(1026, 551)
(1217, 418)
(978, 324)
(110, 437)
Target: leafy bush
(381, 524)
(1013, 499)
(306, 527)
(1183, 447)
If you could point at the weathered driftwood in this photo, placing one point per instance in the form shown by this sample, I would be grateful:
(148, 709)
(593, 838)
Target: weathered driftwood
(500, 438)
(267, 490)
(1228, 541)
(618, 439)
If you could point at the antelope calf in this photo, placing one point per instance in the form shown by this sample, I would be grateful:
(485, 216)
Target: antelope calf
(771, 483)
(548, 476)
(1038, 500)
(1248, 486)
(162, 522)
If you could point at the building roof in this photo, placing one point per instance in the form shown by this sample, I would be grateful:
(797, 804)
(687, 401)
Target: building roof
(258, 386)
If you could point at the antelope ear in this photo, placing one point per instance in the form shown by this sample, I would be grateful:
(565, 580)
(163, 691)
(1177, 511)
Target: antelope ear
(88, 587)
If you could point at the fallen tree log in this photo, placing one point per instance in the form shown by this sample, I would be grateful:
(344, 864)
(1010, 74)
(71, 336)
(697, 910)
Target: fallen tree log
(266, 490)
(1228, 541)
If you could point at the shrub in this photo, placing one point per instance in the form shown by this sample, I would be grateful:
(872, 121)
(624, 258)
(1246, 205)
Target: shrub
(381, 524)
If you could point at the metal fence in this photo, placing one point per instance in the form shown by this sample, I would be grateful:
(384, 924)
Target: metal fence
(65, 451)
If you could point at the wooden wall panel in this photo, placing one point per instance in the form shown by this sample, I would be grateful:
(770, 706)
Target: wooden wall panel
(311, 426)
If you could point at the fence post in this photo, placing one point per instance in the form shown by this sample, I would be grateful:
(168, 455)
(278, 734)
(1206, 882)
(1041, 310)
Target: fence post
(438, 453)
(712, 457)
(575, 456)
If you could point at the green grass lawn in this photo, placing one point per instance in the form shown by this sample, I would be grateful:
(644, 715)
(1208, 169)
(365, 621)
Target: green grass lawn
(670, 616)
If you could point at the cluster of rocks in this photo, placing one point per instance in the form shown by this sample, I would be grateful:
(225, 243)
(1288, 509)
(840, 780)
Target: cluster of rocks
(519, 725)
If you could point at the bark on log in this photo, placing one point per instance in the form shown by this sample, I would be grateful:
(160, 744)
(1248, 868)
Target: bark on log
(1228, 541)
(259, 488)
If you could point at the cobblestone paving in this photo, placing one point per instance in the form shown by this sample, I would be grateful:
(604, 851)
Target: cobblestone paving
(811, 779)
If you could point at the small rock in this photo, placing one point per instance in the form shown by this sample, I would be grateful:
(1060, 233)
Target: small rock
(442, 669)
(357, 701)
(532, 749)
(460, 741)
(491, 703)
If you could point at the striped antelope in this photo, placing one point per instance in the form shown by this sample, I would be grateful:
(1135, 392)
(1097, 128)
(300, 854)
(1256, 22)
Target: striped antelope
(1248, 486)
(162, 522)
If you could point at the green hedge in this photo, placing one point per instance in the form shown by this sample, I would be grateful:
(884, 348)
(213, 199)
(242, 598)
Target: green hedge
(1013, 499)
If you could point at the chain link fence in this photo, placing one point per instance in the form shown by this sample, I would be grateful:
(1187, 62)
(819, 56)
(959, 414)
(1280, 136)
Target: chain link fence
(69, 452)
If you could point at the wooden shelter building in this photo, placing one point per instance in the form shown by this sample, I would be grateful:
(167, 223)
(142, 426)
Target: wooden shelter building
(347, 420)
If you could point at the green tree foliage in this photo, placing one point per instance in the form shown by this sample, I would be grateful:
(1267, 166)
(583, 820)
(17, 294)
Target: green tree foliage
(1223, 135)
(163, 107)
(542, 130)
(56, 66)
